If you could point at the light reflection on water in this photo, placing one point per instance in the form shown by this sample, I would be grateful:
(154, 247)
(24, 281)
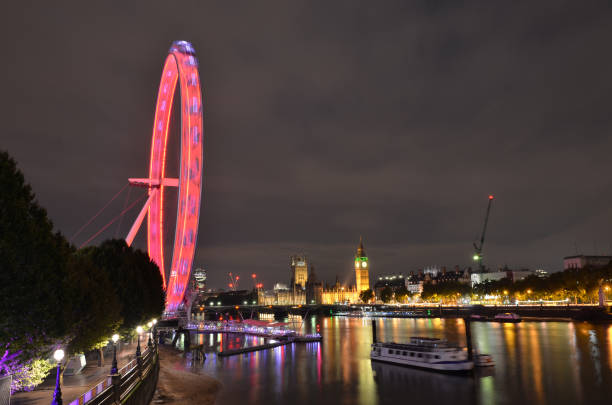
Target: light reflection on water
(536, 363)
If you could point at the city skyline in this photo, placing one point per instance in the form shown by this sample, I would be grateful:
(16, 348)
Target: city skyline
(394, 122)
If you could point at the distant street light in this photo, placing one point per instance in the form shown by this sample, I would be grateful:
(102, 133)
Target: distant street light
(150, 343)
(138, 331)
(58, 355)
(114, 369)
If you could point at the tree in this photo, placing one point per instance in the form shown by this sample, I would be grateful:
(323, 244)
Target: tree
(135, 279)
(33, 266)
(95, 310)
(386, 294)
(366, 295)
(401, 294)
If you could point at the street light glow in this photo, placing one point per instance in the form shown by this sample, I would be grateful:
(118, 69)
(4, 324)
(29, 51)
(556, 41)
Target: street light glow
(139, 330)
(58, 355)
(115, 338)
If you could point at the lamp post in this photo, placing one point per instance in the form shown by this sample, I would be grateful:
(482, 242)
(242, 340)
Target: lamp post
(154, 331)
(138, 331)
(114, 370)
(150, 343)
(57, 394)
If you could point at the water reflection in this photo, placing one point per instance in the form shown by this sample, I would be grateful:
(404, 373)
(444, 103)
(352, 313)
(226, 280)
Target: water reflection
(536, 363)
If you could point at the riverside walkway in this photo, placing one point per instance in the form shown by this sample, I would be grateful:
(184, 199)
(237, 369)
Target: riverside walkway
(74, 386)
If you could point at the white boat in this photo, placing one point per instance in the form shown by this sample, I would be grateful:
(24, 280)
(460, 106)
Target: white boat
(422, 352)
(507, 317)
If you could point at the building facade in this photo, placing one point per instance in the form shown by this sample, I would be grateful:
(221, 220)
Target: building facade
(299, 270)
(582, 261)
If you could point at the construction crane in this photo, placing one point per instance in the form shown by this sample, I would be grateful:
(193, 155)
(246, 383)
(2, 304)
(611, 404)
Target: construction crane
(478, 247)
(233, 284)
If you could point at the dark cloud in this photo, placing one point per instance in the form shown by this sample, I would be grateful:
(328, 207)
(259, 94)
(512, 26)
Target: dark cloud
(329, 120)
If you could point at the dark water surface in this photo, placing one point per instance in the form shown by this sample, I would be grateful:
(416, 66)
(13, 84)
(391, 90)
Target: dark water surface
(536, 363)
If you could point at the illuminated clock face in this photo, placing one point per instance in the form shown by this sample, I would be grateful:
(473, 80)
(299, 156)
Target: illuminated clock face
(364, 264)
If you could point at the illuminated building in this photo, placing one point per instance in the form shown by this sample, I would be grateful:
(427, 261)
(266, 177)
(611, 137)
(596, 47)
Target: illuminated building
(362, 268)
(199, 280)
(582, 261)
(299, 271)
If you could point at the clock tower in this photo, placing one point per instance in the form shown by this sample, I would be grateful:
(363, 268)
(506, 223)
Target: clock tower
(362, 268)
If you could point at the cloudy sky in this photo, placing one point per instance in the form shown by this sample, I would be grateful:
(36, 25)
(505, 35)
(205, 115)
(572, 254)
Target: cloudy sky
(327, 120)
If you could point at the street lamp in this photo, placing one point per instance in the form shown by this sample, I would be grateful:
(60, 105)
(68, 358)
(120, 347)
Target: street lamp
(58, 355)
(114, 370)
(150, 343)
(138, 331)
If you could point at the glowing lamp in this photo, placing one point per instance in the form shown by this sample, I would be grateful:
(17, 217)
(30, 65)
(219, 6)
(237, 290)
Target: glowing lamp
(476, 257)
(58, 355)
(491, 197)
(115, 338)
(253, 275)
(139, 330)
(154, 321)
(150, 324)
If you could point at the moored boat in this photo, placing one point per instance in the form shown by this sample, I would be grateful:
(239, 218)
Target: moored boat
(483, 360)
(507, 317)
(426, 353)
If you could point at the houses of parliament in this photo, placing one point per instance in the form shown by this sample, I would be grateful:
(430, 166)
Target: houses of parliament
(306, 288)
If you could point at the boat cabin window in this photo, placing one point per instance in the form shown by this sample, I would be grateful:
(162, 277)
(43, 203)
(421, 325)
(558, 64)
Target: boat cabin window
(437, 357)
(390, 351)
(411, 354)
(420, 355)
(404, 354)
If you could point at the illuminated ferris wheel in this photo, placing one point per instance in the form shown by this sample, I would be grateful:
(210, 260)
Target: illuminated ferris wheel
(181, 67)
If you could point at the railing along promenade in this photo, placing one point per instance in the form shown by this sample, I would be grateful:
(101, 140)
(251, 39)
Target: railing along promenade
(134, 383)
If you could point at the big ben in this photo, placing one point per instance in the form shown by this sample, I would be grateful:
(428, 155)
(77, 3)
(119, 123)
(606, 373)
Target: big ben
(362, 268)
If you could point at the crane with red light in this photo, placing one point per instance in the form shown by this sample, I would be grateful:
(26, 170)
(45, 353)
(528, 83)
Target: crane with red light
(233, 284)
(478, 247)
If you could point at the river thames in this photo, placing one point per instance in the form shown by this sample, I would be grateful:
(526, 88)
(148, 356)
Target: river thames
(536, 363)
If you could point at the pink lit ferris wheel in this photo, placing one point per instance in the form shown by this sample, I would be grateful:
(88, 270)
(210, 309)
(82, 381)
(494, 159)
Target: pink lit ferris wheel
(181, 67)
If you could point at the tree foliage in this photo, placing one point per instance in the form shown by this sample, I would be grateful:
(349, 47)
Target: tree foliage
(32, 267)
(135, 280)
(366, 295)
(386, 294)
(401, 294)
(52, 295)
(95, 310)
(445, 291)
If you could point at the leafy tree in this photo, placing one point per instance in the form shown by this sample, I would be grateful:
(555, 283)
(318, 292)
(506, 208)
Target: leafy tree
(401, 294)
(386, 294)
(93, 304)
(33, 266)
(366, 295)
(135, 279)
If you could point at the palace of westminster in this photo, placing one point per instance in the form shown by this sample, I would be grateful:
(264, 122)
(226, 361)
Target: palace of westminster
(305, 288)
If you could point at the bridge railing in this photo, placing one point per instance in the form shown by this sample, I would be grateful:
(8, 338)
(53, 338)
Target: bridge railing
(116, 388)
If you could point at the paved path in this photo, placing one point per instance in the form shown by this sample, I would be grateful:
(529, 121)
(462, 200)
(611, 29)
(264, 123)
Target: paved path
(75, 385)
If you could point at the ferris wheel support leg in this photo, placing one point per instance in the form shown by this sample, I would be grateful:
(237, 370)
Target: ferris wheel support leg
(134, 230)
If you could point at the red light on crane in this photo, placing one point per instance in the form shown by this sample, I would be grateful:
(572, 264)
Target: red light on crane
(237, 277)
(490, 196)
(253, 275)
(231, 285)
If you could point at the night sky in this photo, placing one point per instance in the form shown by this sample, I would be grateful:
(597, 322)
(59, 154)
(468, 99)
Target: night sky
(327, 120)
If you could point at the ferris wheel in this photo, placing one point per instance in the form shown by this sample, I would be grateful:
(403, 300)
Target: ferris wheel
(181, 67)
